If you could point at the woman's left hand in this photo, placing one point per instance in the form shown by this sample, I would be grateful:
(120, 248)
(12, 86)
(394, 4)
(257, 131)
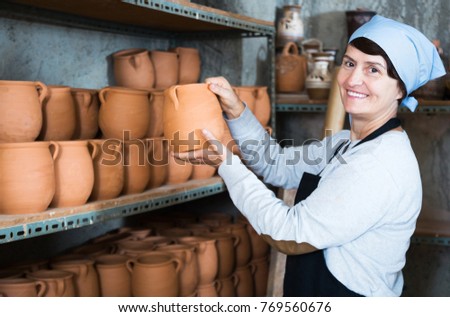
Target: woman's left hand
(215, 154)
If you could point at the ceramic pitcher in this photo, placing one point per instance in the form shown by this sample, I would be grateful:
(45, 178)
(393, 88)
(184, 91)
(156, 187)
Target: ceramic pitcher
(243, 249)
(109, 172)
(155, 274)
(58, 283)
(187, 110)
(189, 64)
(86, 112)
(74, 173)
(114, 277)
(226, 243)
(124, 113)
(21, 287)
(21, 110)
(59, 117)
(133, 68)
(27, 171)
(290, 69)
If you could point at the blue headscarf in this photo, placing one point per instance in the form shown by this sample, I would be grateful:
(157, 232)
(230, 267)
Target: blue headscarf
(414, 57)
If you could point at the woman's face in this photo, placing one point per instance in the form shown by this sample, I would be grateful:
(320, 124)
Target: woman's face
(366, 89)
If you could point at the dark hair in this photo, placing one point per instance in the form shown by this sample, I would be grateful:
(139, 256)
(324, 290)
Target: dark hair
(371, 48)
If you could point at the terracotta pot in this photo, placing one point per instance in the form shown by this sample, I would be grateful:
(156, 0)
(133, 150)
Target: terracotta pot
(21, 287)
(136, 167)
(27, 171)
(140, 233)
(262, 105)
(74, 173)
(85, 275)
(178, 171)
(188, 277)
(207, 257)
(260, 270)
(187, 110)
(291, 69)
(189, 65)
(114, 277)
(244, 286)
(155, 274)
(86, 112)
(21, 110)
(203, 171)
(124, 113)
(260, 248)
(209, 290)
(166, 68)
(243, 249)
(158, 159)
(133, 68)
(228, 286)
(134, 248)
(155, 126)
(109, 175)
(59, 118)
(247, 94)
(226, 244)
(58, 283)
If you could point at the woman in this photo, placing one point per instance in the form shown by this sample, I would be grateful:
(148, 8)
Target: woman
(356, 207)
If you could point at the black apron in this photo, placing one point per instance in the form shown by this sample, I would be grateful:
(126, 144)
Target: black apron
(307, 274)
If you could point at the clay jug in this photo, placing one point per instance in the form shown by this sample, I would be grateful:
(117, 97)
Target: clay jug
(260, 248)
(136, 167)
(291, 69)
(226, 243)
(318, 82)
(85, 275)
(262, 105)
(189, 64)
(228, 286)
(58, 283)
(114, 277)
(21, 110)
(59, 118)
(133, 68)
(155, 126)
(260, 270)
(86, 113)
(155, 274)
(290, 27)
(247, 94)
(187, 110)
(124, 113)
(209, 290)
(244, 286)
(74, 173)
(27, 171)
(178, 171)
(166, 68)
(158, 159)
(21, 287)
(207, 257)
(188, 277)
(203, 171)
(243, 249)
(134, 248)
(109, 172)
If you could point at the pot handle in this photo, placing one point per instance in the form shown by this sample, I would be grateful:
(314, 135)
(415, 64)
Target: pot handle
(235, 279)
(236, 239)
(287, 48)
(41, 288)
(87, 97)
(102, 94)
(178, 264)
(130, 265)
(55, 151)
(134, 61)
(61, 287)
(173, 96)
(93, 149)
(42, 91)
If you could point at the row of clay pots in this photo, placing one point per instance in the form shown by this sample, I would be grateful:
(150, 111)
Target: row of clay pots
(143, 69)
(69, 173)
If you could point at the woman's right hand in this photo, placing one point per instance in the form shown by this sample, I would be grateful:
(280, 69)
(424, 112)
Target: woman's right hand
(229, 101)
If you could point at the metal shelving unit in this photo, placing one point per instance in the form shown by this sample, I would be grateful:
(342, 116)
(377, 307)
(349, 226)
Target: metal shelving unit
(154, 18)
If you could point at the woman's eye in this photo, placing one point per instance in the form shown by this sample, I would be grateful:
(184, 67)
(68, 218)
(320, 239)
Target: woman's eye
(373, 70)
(349, 63)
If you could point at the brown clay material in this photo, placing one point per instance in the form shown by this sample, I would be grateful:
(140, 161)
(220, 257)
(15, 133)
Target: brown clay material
(189, 64)
(58, 283)
(155, 126)
(166, 68)
(21, 110)
(27, 171)
(22, 287)
(178, 171)
(187, 110)
(86, 111)
(114, 277)
(291, 69)
(133, 68)
(59, 118)
(136, 167)
(158, 159)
